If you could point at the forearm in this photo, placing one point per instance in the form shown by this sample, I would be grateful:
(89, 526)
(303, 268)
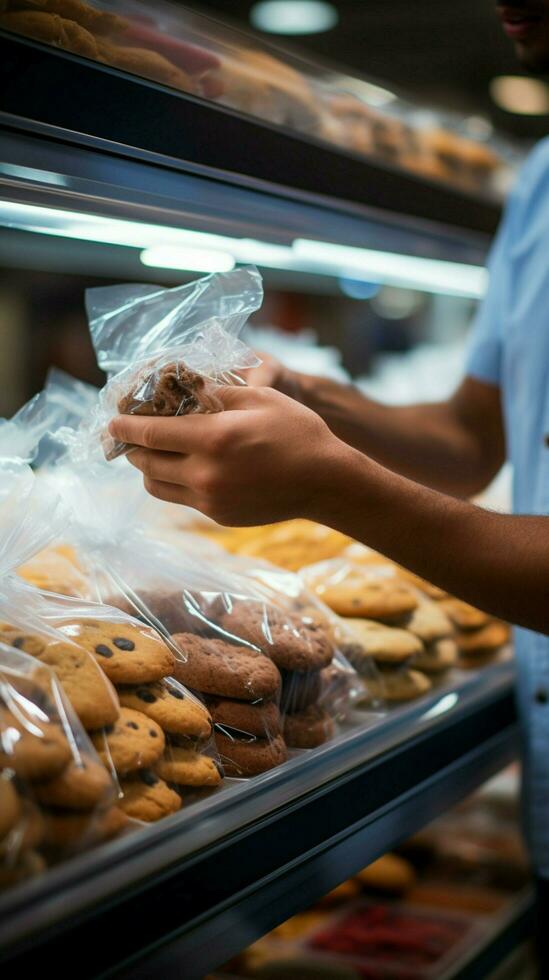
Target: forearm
(426, 443)
(498, 562)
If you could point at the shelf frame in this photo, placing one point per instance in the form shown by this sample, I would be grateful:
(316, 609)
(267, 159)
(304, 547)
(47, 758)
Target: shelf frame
(166, 897)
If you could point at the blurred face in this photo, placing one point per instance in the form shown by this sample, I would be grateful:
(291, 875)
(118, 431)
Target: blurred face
(526, 22)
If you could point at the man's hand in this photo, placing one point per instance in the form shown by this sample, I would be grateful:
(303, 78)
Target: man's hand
(265, 458)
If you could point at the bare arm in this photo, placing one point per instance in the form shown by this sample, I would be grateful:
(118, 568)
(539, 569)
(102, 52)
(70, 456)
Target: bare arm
(455, 446)
(267, 458)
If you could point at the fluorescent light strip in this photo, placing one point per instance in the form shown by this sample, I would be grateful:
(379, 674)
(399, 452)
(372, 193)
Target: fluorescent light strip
(391, 268)
(176, 248)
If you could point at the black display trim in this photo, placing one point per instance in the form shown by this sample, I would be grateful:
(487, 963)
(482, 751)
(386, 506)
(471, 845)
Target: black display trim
(206, 907)
(41, 83)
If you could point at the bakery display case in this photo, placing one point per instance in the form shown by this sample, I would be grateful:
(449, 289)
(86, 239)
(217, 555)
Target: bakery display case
(124, 167)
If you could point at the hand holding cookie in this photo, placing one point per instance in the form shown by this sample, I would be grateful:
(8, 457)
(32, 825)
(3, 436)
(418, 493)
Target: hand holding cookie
(264, 458)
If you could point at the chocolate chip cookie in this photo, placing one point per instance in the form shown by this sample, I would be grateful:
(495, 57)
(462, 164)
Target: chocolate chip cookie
(171, 706)
(291, 642)
(308, 729)
(147, 797)
(187, 767)
(216, 667)
(31, 746)
(90, 692)
(128, 653)
(82, 785)
(133, 742)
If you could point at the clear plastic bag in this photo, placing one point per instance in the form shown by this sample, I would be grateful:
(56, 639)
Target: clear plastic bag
(116, 671)
(56, 798)
(166, 350)
(259, 644)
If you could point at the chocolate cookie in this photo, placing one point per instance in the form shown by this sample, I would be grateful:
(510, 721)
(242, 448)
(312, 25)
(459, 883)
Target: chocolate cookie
(83, 785)
(309, 728)
(126, 652)
(163, 390)
(290, 642)
(169, 609)
(187, 767)
(250, 757)
(88, 689)
(261, 718)
(299, 690)
(10, 805)
(33, 748)
(133, 742)
(167, 703)
(147, 797)
(216, 667)
(77, 831)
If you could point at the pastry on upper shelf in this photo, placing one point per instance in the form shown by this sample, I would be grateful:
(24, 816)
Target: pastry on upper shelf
(52, 29)
(146, 63)
(101, 22)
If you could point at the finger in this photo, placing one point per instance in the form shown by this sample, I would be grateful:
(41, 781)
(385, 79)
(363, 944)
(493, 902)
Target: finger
(169, 492)
(158, 465)
(176, 434)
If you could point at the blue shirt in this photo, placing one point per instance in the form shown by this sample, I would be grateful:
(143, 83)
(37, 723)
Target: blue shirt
(510, 348)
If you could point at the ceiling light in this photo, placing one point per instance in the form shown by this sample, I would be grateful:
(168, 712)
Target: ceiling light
(189, 259)
(525, 96)
(293, 16)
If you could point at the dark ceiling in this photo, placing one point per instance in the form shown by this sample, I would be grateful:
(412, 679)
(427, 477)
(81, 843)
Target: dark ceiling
(440, 52)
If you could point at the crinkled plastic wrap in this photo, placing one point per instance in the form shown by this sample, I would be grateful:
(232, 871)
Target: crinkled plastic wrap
(167, 350)
(56, 798)
(116, 671)
(253, 656)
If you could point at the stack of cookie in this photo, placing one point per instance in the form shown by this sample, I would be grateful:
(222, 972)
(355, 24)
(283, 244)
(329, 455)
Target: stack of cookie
(376, 607)
(155, 746)
(480, 637)
(116, 676)
(242, 689)
(298, 641)
(55, 797)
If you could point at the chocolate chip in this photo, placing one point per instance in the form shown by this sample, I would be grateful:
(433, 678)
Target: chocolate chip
(145, 695)
(132, 724)
(123, 644)
(19, 642)
(148, 777)
(177, 694)
(152, 732)
(355, 602)
(103, 650)
(108, 729)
